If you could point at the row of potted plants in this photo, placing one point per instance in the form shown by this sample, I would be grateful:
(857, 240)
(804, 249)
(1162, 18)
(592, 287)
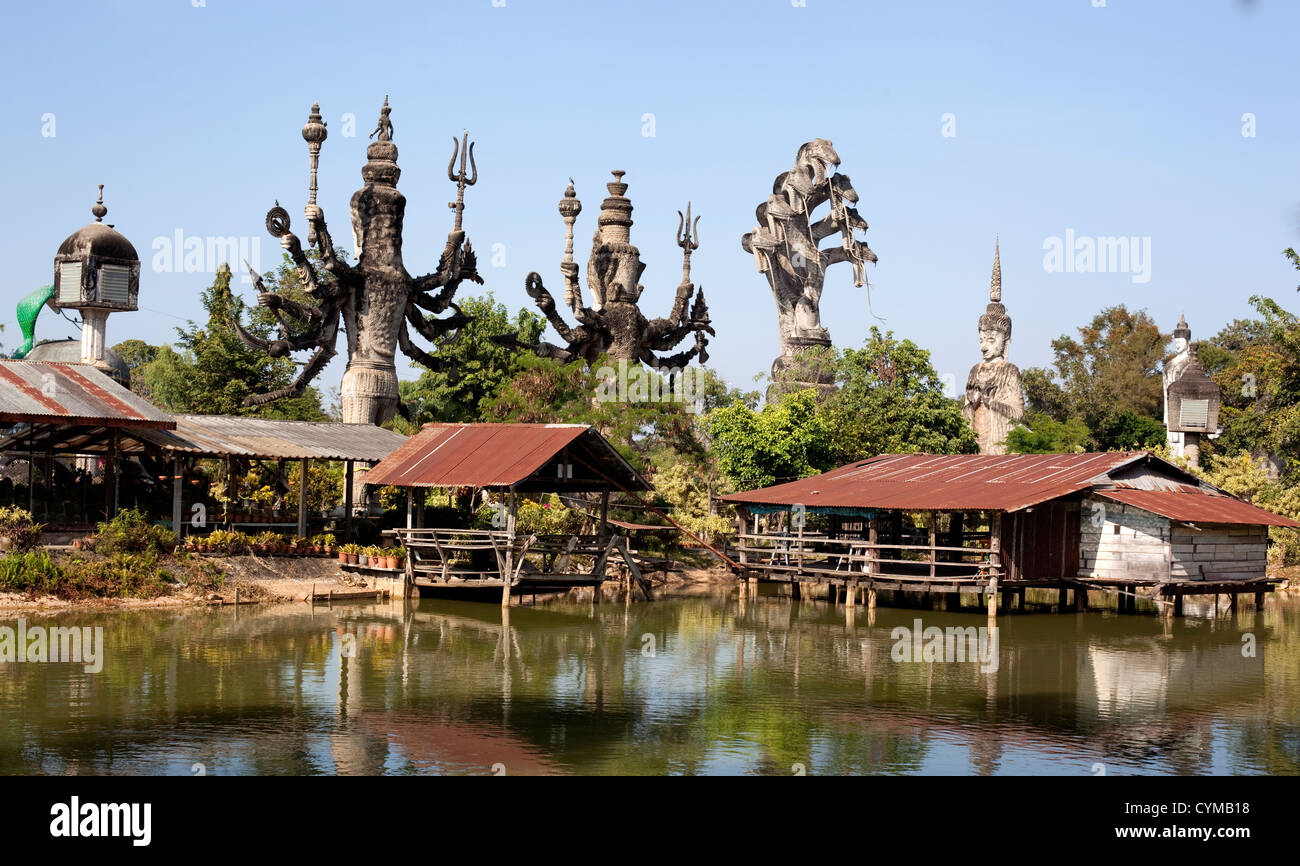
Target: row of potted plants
(233, 541)
(373, 556)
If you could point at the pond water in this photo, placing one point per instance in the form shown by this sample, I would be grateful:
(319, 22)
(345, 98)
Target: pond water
(712, 684)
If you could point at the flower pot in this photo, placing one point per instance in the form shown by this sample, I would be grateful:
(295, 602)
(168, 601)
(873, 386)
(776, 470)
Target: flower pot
(343, 557)
(352, 558)
(363, 559)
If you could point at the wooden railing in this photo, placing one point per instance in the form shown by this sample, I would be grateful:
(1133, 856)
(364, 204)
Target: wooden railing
(848, 557)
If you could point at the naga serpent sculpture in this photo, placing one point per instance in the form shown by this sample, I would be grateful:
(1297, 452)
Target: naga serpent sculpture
(375, 300)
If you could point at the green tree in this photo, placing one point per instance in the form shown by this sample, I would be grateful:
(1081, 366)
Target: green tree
(782, 442)
(211, 370)
(891, 401)
(1043, 434)
(480, 366)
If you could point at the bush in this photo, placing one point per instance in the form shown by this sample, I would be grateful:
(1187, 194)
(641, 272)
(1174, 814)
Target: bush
(131, 532)
(20, 572)
(17, 526)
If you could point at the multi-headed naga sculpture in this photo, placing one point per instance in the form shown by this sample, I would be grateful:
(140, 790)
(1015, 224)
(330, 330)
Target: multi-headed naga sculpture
(375, 299)
(613, 324)
(785, 245)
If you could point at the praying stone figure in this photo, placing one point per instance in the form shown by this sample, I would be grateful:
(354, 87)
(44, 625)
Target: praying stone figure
(1191, 398)
(995, 399)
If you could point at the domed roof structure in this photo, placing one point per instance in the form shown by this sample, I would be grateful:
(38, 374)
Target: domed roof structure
(99, 240)
(68, 351)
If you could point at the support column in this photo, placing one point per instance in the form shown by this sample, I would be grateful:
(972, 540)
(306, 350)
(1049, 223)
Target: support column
(995, 560)
(510, 553)
(178, 485)
(604, 511)
(1259, 599)
(302, 498)
(347, 500)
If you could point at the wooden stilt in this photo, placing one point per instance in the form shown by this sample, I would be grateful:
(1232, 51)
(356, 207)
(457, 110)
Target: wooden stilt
(795, 592)
(1259, 599)
(851, 598)
(1080, 598)
(871, 598)
(1178, 604)
(1062, 598)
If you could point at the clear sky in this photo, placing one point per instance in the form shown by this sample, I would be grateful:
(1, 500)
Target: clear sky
(1122, 120)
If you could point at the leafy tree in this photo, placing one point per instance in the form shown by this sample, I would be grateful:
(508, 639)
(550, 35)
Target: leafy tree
(211, 370)
(1043, 434)
(782, 442)
(1129, 431)
(890, 401)
(480, 366)
(1113, 367)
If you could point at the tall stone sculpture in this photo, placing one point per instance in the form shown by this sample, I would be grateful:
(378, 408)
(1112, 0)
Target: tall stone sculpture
(375, 300)
(785, 245)
(995, 398)
(1191, 398)
(613, 324)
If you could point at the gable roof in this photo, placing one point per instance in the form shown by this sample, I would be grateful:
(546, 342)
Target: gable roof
(46, 392)
(1192, 505)
(505, 455)
(953, 482)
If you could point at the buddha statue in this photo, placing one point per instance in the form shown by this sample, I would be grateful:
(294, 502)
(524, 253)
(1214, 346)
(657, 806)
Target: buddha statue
(995, 399)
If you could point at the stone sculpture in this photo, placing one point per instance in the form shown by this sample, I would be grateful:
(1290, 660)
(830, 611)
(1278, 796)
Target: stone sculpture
(613, 324)
(785, 246)
(995, 398)
(375, 300)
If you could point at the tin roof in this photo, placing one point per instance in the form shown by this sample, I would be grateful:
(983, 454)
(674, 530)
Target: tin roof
(504, 455)
(948, 482)
(270, 439)
(1197, 506)
(43, 392)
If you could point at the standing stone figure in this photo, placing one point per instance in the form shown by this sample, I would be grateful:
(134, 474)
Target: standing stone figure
(1191, 398)
(785, 246)
(375, 300)
(995, 399)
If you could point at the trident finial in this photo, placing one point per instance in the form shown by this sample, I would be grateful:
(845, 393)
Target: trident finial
(465, 150)
(688, 238)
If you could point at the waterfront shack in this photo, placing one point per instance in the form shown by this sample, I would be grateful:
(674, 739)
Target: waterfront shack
(1117, 522)
(510, 460)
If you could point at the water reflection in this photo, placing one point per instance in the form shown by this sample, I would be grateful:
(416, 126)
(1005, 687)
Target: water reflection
(699, 685)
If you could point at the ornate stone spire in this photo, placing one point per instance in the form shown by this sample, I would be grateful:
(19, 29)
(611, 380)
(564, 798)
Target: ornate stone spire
(995, 315)
(1183, 330)
(99, 210)
(995, 287)
(615, 219)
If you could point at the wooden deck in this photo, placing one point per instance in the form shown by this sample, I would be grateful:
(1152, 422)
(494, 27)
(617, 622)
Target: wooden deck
(469, 561)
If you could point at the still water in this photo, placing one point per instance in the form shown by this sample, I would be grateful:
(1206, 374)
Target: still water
(699, 685)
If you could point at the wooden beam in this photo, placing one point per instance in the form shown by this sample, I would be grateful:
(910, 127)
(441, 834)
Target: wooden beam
(347, 500)
(302, 497)
(178, 482)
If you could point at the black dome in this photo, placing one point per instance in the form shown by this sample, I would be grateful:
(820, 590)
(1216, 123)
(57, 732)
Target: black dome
(99, 240)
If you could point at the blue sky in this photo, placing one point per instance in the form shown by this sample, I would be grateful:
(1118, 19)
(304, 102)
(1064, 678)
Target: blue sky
(1122, 120)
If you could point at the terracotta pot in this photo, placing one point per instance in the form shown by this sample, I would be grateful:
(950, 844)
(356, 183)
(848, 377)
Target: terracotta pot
(352, 558)
(343, 557)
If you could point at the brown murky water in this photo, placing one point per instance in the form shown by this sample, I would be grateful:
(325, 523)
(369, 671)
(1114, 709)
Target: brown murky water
(704, 685)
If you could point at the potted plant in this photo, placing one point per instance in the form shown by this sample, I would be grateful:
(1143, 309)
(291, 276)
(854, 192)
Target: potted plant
(399, 557)
(353, 553)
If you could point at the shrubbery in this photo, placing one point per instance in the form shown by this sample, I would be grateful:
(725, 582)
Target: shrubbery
(131, 532)
(18, 531)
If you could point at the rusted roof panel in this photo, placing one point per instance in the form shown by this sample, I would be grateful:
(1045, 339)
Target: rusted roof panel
(494, 455)
(268, 439)
(1197, 506)
(946, 482)
(42, 392)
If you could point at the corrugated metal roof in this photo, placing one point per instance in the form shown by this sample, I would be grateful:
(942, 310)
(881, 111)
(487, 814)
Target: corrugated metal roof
(494, 455)
(268, 439)
(1197, 506)
(956, 482)
(43, 392)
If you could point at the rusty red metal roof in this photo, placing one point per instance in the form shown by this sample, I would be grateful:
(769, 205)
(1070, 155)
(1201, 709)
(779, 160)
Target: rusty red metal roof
(947, 482)
(45, 392)
(502, 455)
(1197, 506)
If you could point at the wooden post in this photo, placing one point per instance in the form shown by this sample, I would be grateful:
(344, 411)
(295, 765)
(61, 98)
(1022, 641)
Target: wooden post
(302, 498)
(799, 559)
(795, 590)
(871, 597)
(1259, 599)
(1062, 598)
(510, 551)
(1178, 604)
(1080, 597)
(604, 511)
(410, 508)
(177, 487)
(347, 500)
(993, 597)
(934, 519)
(873, 553)
(852, 598)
